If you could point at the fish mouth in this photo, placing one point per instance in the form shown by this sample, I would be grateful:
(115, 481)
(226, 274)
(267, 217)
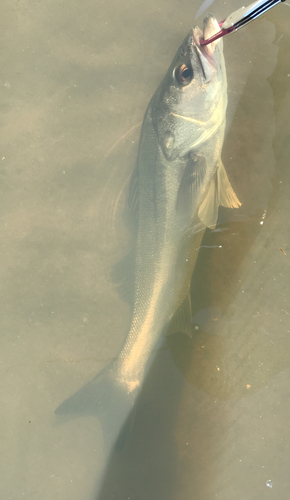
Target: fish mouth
(210, 28)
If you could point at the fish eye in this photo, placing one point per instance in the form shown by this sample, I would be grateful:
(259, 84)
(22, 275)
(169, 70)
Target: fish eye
(184, 74)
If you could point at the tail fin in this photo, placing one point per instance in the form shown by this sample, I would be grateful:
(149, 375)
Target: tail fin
(107, 399)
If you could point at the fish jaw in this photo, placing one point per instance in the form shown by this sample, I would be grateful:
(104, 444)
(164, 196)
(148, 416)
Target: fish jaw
(211, 55)
(210, 28)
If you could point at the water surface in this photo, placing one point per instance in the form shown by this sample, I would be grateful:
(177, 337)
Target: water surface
(212, 422)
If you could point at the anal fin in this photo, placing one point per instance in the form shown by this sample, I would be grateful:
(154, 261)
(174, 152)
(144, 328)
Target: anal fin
(181, 320)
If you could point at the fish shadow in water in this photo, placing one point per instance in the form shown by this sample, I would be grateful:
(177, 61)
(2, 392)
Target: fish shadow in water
(146, 467)
(149, 465)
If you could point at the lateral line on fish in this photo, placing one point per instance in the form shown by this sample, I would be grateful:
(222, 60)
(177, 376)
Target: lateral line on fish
(189, 119)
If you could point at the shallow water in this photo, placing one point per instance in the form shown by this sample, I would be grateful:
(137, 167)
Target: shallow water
(212, 422)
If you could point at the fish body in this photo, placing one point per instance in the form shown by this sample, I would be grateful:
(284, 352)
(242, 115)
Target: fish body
(176, 188)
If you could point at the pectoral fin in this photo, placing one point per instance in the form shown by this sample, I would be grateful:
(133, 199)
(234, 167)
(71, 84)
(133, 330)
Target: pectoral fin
(220, 192)
(190, 184)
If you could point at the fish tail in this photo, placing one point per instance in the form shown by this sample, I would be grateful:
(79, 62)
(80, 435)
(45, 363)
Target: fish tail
(107, 399)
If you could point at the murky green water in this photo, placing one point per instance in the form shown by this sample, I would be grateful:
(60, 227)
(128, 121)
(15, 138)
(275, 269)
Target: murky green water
(212, 422)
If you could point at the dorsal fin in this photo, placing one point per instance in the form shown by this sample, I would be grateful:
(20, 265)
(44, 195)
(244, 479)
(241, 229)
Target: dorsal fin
(220, 192)
(227, 196)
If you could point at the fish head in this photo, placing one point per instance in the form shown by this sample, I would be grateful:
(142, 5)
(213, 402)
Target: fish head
(190, 104)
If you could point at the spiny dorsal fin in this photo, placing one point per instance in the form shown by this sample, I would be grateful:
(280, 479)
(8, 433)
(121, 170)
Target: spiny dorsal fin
(220, 192)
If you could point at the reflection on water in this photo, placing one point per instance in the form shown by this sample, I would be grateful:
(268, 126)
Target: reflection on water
(212, 421)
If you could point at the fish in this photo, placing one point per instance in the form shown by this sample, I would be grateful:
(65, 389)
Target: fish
(177, 185)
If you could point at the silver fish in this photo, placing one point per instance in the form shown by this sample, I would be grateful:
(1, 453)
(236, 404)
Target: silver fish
(176, 188)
